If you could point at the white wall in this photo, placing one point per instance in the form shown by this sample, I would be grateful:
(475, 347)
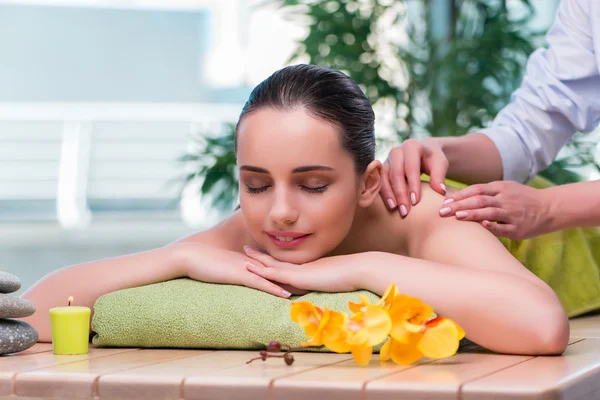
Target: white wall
(76, 54)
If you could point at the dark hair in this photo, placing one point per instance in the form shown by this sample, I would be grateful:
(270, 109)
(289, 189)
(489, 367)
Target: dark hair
(327, 94)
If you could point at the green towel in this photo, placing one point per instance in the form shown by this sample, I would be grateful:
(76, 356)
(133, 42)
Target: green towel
(568, 261)
(183, 313)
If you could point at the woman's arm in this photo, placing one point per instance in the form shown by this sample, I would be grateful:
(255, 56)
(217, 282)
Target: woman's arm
(87, 282)
(499, 311)
(205, 256)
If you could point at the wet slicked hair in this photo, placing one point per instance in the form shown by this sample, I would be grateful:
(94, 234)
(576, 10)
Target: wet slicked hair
(326, 94)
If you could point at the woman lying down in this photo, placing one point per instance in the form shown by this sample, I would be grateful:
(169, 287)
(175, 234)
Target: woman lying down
(311, 219)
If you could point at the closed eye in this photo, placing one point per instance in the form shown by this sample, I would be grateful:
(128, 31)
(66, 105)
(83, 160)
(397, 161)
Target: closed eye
(319, 189)
(253, 190)
(256, 190)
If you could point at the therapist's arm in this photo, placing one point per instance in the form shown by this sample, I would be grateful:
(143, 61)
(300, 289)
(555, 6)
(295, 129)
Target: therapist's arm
(573, 205)
(558, 95)
(472, 158)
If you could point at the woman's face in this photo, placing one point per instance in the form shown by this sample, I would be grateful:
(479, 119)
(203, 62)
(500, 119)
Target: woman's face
(298, 186)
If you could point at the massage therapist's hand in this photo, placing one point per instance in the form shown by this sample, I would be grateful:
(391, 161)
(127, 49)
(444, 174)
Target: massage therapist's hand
(401, 180)
(330, 274)
(227, 267)
(520, 211)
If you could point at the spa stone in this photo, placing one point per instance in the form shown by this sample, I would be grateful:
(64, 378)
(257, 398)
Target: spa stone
(15, 307)
(16, 336)
(9, 283)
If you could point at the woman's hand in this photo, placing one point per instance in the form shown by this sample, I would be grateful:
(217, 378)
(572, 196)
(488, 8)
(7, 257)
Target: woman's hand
(520, 211)
(227, 267)
(330, 274)
(401, 181)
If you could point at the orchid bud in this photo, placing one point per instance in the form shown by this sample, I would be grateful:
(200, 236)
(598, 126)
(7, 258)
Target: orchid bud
(288, 358)
(274, 347)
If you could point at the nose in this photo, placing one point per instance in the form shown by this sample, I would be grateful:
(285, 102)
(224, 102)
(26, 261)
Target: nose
(283, 210)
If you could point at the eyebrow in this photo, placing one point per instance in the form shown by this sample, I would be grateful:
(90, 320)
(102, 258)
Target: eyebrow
(297, 170)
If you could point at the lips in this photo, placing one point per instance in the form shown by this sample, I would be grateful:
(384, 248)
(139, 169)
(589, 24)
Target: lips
(286, 234)
(287, 239)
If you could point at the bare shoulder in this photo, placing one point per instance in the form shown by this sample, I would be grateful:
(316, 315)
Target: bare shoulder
(428, 206)
(229, 234)
(397, 234)
(425, 222)
(427, 211)
(461, 243)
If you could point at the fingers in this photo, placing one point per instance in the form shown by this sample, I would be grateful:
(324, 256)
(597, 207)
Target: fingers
(398, 181)
(476, 208)
(294, 290)
(484, 214)
(412, 169)
(386, 189)
(270, 270)
(437, 165)
(263, 258)
(485, 189)
(272, 274)
(402, 173)
(451, 206)
(258, 282)
(502, 230)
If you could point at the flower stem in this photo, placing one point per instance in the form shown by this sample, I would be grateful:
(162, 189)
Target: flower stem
(285, 348)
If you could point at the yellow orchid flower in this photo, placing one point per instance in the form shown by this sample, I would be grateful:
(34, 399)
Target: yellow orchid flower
(370, 327)
(408, 316)
(388, 296)
(441, 338)
(402, 353)
(358, 307)
(385, 300)
(385, 352)
(335, 333)
(338, 338)
(311, 319)
(362, 355)
(358, 334)
(407, 323)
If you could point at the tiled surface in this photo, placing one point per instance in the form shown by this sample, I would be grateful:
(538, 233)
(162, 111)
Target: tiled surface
(199, 374)
(254, 380)
(343, 380)
(12, 367)
(574, 375)
(440, 379)
(586, 327)
(79, 379)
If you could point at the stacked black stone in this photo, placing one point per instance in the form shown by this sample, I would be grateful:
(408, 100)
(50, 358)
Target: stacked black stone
(15, 335)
